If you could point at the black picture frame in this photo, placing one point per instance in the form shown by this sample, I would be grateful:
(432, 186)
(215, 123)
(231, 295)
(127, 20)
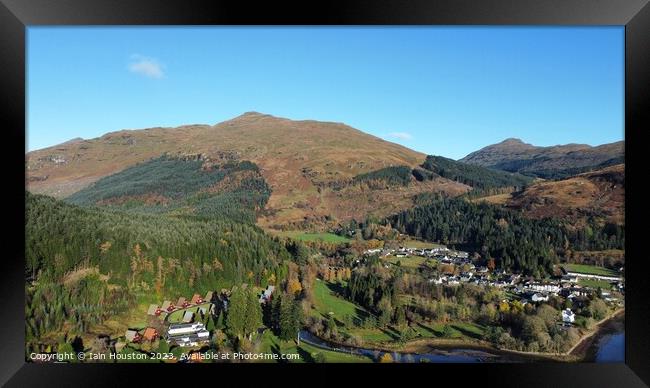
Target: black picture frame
(17, 15)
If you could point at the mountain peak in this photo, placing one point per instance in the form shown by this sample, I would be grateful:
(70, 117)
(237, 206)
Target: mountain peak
(252, 113)
(512, 140)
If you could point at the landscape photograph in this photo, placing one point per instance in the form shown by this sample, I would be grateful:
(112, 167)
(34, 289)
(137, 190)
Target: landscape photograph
(325, 195)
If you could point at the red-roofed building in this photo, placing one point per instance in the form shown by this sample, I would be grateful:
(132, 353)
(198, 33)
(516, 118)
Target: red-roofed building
(150, 334)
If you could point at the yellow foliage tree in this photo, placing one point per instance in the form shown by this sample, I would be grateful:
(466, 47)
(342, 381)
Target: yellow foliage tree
(294, 286)
(386, 358)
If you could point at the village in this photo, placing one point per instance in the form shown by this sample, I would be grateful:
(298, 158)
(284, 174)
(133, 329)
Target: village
(454, 267)
(184, 323)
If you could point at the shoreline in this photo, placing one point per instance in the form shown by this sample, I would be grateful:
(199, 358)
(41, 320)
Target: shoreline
(584, 345)
(577, 353)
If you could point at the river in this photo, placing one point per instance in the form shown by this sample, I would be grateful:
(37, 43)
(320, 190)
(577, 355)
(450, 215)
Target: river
(447, 355)
(608, 346)
(611, 348)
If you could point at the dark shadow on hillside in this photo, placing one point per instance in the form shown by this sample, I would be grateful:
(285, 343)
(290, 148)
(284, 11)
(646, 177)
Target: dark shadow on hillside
(305, 355)
(467, 332)
(336, 289)
(275, 349)
(390, 333)
(361, 316)
(428, 329)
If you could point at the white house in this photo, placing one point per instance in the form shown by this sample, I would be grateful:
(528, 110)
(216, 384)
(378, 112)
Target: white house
(537, 297)
(266, 295)
(466, 277)
(568, 316)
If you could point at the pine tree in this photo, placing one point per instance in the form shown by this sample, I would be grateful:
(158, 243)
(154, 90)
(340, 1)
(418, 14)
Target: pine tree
(290, 318)
(237, 310)
(253, 317)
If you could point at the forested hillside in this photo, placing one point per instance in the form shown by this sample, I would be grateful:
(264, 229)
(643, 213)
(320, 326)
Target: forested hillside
(478, 177)
(396, 175)
(517, 243)
(233, 190)
(80, 258)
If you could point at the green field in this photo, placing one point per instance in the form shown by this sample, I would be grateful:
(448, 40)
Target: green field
(307, 236)
(177, 316)
(308, 353)
(465, 330)
(594, 283)
(590, 269)
(326, 302)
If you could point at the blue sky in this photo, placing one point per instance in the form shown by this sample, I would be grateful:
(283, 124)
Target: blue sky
(440, 90)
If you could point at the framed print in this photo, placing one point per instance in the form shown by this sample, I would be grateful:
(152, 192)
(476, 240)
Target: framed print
(437, 188)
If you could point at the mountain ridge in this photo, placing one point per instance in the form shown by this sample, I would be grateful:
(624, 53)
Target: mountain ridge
(299, 159)
(558, 161)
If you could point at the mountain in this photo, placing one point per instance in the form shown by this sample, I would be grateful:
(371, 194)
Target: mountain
(309, 166)
(553, 162)
(597, 194)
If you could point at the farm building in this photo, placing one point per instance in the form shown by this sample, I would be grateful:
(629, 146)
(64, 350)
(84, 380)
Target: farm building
(153, 310)
(187, 334)
(196, 299)
(132, 335)
(150, 334)
(167, 306)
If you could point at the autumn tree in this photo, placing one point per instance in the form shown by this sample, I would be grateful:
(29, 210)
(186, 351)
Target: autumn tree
(293, 287)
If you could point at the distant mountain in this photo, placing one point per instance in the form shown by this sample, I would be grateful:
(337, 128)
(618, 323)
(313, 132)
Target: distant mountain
(553, 162)
(315, 170)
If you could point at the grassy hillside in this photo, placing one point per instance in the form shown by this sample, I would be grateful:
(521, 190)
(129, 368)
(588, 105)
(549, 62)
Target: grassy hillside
(299, 160)
(166, 184)
(596, 195)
